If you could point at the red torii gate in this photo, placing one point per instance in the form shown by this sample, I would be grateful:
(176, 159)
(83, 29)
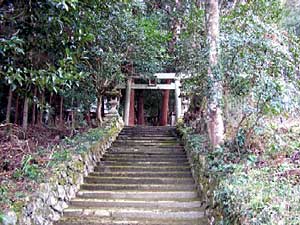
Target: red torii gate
(172, 84)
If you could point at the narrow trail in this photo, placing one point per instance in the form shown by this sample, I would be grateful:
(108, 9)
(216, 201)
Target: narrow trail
(144, 178)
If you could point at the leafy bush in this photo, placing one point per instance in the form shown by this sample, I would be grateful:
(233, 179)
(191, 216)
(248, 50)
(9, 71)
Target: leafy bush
(1, 217)
(252, 188)
(59, 156)
(259, 196)
(3, 194)
(38, 166)
(29, 169)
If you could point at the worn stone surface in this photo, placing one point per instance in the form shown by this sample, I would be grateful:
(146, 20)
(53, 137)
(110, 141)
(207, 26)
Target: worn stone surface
(47, 204)
(206, 182)
(136, 183)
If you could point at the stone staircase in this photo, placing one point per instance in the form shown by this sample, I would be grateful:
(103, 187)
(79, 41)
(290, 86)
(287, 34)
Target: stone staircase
(144, 178)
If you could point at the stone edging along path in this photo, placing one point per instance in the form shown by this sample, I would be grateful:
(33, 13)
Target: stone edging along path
(206, 182)
(47, 204)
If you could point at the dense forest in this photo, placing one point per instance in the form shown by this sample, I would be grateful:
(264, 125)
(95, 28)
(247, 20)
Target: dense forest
(60, 60)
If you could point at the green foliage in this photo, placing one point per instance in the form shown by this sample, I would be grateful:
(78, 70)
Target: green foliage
(196, 142)
(3, 194)
(252, 188)
(59, 157)
(259, 196)
(39, 166)
(1, 217)
(61, 45)
(29, 169)
(291, 20)
(79, 144)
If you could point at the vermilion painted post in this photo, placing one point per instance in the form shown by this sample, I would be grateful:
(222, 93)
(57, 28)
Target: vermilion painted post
(131, 110)
(165, 107)
(141, 120)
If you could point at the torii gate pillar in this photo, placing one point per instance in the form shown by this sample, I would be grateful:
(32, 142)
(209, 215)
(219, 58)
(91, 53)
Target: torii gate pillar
(129, 114)
(127, 101)
(132, 111)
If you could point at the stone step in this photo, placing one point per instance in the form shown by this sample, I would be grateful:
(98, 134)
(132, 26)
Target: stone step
(148, 147)
(150, 129)
(150, 137)
(147, 152)
(144, 178)
(137, 180)
(125, 203)
(142, 174)
(144, 168)
(147, 140)
(157, 132)
(164, 128)
(133, 221)
(143, 187)
(148, 132)
(144, 160)
(138, 163)
(146, 156)
(136, 213)
(138, 195)
(154, 132)
(128, 143)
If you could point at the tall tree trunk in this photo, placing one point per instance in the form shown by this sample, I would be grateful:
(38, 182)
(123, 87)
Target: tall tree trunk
(225, 107)
(25, 113)
(99, 110)
(102, 107)
(88, 118)
(176, 29)
(61, 111)
(73, 113)
(8, 109)
(214, 111)
(34, 107)
(17, 110)
(49, 113)
(41, 111)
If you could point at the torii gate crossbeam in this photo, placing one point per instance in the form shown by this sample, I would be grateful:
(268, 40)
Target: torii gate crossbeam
(172, 86)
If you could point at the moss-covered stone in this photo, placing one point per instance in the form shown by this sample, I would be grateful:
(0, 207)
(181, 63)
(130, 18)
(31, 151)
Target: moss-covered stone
(206, 182)
(49, 200)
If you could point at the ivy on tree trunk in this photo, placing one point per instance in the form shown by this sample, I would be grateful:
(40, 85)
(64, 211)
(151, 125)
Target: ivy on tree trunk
(99, 111)
(214, 110)
(25, 113)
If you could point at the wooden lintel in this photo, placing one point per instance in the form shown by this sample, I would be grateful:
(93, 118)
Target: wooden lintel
(165, 75)
(147, 87)
(176, 76)
(154, 87)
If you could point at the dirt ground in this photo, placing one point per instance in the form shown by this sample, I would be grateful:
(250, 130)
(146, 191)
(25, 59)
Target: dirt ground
(15, 144)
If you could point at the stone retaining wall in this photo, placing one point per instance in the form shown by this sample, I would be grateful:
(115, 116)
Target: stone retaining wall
(206, 181)
(47, 204)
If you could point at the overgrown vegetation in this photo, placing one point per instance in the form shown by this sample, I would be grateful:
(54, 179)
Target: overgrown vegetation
(59, 58)
(36, 167)
(251, 188)
(257, 167)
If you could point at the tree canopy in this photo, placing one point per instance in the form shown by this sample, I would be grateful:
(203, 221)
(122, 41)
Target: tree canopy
(58, 58)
